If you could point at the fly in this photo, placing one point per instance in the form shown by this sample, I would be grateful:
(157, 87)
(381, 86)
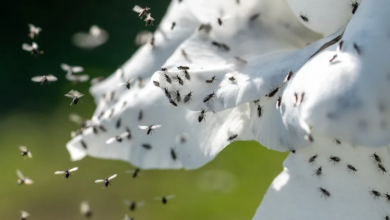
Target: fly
(75, 95)
(106, 180)
(149, 128)
(66, 173)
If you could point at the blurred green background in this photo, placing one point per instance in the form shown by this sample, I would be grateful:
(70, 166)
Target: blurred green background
(230, 187)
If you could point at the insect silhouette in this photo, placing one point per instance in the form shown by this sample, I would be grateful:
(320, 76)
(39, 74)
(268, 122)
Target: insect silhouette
(241, 60)
(375, 193)
(25, 152)
(85, 209)
(156, 83)
(75, 95)
(206, 28)
(33, 49)
(66, 173)
(279, 102)
(140, 115)
(147, 146)
(24, 215)
(202, 115)
(337, 141)
(149, 128)
(173, 154)
(173, 25)
(134, 172)
(209, 97)
(313, 158)
(354, 6)
(34, 31)
(188, 98)
(127, 83)
(357, 48)
(149, 20)
(106, 180)
(318, 172)
(133, 204)
(118, 123)
(382, 168)
(288, 77)
(178, 97)
(172, 102)
(22, 179)
(334, 159)
(44, 78)
(309, 138)
(259, 110)
(141, 11)
(71, 69)
(232, 137)
(164, 199)
(167, 93)
(304, 18)
(119, 138)
(254, 17)
(210, 80)
(272, 93)
(167, 78)
(324, 192)
(387, 196)
(178, 79)
(376, 157)
(351, 168)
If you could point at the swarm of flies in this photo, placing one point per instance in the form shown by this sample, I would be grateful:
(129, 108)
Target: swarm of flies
(66, 173)
(75, 95)
(22, 179)
(44, 78)
(106, 180)
(34, 31)
(33, 49)
(25, 152)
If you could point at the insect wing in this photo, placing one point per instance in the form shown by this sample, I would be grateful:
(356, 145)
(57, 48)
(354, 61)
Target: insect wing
(170, 196)
(82, 78)
(77, 69)
(76, 93)
(84, 207)
(20, 174)
(142, 127)
(34, 45)
(23, 148)
(69, 95)
(65, 67)
(37, 78)
(124, 134)
(99, 181)
(112, 177)
(155, 126)
(24, 214)
(29, 154)
(73, 169)
(76, 118)
(27, 47)
(137, 9)
(51, 78)
(28, 181)
(111, 140)
(59, 172)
